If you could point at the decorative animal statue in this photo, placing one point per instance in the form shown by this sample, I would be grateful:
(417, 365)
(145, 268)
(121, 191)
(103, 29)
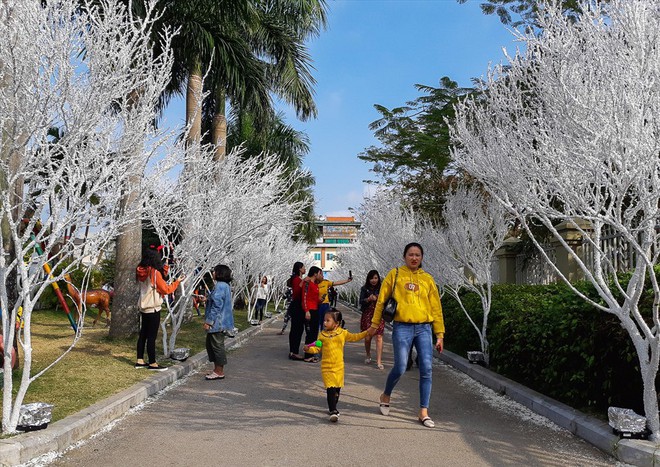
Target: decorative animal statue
(97, 298)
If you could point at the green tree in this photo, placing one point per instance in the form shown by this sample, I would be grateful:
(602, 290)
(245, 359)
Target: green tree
(245, 50)
(414, 151)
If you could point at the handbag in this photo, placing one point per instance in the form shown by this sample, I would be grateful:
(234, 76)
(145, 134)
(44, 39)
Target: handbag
(390, 305)
(150, 299)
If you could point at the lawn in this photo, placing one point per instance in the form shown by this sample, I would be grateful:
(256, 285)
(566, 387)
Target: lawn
(97, 367)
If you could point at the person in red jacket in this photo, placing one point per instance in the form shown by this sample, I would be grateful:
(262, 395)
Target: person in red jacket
(295, 310)
(310, 302)
(150, 275)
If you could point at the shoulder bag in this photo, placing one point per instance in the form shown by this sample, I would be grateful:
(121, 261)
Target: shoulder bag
(390, 305)
(150, 299)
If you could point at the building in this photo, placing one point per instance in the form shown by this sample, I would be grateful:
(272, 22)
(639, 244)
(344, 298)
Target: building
(334, 234)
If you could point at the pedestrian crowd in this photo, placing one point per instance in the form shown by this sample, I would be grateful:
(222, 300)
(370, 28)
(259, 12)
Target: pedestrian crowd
(311, 310)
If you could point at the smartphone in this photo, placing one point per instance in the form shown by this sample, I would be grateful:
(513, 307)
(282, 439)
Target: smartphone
(350, 274)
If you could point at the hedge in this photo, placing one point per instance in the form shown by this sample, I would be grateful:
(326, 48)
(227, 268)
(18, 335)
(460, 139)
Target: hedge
(549, 339)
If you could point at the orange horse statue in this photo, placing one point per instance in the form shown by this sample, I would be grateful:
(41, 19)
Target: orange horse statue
(97, 298)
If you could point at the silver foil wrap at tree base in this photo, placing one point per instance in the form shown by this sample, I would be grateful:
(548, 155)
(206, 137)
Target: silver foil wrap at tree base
(180, 354)
(35, 416)
(627, 423)
(476, 357)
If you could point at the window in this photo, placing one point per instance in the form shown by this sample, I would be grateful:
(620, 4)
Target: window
(317, 256)
(337, 240)
(330, 256)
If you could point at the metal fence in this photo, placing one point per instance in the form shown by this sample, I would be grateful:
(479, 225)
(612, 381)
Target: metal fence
(534, 269)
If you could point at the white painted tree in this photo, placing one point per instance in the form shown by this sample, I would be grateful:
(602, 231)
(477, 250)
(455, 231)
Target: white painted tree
(287, 252)
(220, 212)
(77, 72)
(570, 131)
(272, 256)
(474, 227)
(386, 227)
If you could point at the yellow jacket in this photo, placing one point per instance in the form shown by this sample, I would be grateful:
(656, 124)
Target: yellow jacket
(332, 360)
(417, 297)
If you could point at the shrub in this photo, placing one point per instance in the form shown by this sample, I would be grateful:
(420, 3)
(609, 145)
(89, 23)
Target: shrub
(552, 341)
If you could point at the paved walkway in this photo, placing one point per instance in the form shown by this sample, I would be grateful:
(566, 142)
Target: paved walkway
(272, 411)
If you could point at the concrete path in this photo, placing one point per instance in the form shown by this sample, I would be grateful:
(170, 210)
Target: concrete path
(272, 411)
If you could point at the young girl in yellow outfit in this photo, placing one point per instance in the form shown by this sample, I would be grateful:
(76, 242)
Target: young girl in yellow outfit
(332, 340)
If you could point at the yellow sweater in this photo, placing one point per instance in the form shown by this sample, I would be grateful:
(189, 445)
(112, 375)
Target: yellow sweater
(417, 297)
(332, 360)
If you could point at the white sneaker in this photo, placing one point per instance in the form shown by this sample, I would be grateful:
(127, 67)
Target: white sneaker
(334, 417)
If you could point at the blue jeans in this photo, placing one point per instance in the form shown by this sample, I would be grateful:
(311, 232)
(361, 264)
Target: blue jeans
(405, 335)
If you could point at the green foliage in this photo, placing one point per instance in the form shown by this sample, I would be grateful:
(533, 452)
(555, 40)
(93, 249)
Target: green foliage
(523, 11)
(415, 145)
(552, 341)
(107, 270)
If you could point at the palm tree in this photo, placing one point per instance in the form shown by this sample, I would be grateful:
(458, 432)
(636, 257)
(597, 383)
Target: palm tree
(250, 48)
(278, 37)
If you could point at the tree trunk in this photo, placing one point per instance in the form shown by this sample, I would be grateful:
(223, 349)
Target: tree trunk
(219, 133)
(125, 316)
(125, 313)
(194, 94)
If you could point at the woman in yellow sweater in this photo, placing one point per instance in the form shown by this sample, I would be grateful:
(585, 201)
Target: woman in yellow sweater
(332, 340)
(418, 316)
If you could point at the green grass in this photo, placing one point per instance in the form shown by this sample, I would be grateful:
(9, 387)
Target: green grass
(97, 367)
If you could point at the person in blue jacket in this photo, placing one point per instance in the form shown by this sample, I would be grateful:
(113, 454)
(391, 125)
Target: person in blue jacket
(219, 321)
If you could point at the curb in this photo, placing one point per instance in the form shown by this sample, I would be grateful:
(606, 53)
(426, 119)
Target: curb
(65, 432)
(592, 430)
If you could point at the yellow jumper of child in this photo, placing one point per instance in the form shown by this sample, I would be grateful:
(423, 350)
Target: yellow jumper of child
(332, 360)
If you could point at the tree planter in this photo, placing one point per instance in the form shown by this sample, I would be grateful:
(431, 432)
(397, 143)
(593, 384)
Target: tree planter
(627, 424)
(35, 416)
(180, 354)
(476, 357)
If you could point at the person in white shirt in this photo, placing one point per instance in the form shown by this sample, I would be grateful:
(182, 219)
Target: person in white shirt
(262, 294)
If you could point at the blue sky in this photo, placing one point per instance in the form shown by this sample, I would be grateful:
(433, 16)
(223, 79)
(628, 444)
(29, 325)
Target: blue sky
(374, 52)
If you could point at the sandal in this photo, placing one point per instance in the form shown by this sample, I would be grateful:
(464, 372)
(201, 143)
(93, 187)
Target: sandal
(383, 407)
(213, 375)
(295, 356)
(367, 360)
(427, 422)
(380, 366)
(310, 360)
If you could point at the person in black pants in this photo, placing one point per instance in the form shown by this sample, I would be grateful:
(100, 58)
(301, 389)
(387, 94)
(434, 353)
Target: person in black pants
(295, 311)
(150, 275)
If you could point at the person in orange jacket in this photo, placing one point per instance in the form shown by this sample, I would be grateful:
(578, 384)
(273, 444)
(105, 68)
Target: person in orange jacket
(150, 275)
